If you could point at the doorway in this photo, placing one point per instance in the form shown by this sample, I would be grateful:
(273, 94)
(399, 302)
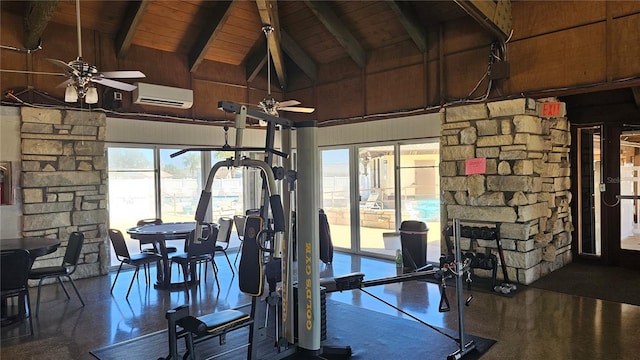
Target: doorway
(607, 193)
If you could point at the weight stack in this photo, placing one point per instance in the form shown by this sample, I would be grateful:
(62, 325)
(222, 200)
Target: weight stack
(323, 312)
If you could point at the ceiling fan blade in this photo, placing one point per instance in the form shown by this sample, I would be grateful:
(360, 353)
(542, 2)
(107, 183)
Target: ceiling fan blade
(32, 72)
(288, 103)
(114, 84)
(298, 109)
(65, 83)
(63, 65)
(127, 74)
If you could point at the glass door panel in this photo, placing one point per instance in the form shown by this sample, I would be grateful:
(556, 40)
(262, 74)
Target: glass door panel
(180, 185)
(629, 191)
(420, 190)
(376, 183)
(132, 190)
(336, 195)
(589, 181)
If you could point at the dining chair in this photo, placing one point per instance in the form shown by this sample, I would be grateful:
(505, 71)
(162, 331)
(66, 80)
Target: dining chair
(225, 225)
(15, 266)
(65, 270)
(239, 221)
(137, 260)
(197, 251)
(152, 221)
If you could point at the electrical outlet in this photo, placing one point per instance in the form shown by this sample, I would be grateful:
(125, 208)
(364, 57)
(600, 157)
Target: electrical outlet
(603, 187)
(117, 96)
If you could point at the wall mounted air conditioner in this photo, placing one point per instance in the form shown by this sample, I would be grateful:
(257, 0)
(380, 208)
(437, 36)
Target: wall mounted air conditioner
(158, 95)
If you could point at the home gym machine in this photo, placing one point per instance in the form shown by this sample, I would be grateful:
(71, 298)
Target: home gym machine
(306, 339)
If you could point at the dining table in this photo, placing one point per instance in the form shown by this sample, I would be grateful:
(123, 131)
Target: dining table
(159, 233)
(37, 246)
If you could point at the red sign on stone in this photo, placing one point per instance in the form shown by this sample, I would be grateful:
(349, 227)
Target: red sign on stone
(475, 166)
(550, 109)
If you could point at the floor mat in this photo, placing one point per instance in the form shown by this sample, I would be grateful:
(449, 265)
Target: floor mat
(371, 336)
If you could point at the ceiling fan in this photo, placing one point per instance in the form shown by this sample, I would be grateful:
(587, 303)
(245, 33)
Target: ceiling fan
(270, 105)
(82, 76)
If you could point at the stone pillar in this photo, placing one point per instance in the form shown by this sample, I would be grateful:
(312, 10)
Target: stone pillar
(64, 183)
(525, 187)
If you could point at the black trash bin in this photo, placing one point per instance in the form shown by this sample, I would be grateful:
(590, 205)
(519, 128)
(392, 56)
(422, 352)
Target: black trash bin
(413, 238)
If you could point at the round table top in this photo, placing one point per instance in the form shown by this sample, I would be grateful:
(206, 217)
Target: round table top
(37, 246)
(177, 230)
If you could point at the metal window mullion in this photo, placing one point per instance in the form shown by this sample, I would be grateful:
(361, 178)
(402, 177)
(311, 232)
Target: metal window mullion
(158, 190)
(354, 177)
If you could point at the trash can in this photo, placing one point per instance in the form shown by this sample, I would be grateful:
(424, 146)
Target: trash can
(413, 239)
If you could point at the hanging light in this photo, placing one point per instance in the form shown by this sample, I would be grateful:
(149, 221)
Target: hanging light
(92, 95)
(71, 94)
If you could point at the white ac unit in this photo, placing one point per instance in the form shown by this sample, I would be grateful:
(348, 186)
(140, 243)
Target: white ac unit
(158, 95)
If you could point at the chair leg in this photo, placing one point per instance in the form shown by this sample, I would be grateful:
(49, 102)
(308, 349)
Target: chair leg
(135, 275)
(38, 299)
(28, 308)
(64, 288)
(215, 272)
(229, 262)
(116, 279)
(76, 289)
(238, 253)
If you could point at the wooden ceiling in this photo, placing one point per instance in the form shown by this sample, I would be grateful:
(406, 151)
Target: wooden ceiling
(307, 33)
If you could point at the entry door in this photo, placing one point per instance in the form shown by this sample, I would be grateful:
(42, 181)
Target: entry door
(589, 180)
(630, 193)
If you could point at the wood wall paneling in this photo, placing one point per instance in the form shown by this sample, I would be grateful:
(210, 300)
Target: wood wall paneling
(225, 73)
(402, 88)
(344, 68)
(394, 56)
(160, 67)
(625, 50)
(463, 70)
(207, 95)
(531, 18)
(561, 59)
(623, 8)
(337, 100)
(464, 34)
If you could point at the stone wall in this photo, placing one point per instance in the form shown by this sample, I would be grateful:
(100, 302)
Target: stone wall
(64, 182)
(525, 187)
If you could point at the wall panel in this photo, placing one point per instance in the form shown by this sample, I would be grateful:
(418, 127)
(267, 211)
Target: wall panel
(402, 88)
(337, 100)
(529, 18)
(625, 49)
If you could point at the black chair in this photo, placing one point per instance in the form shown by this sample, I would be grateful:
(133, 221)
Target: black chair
(197, 251)
(225, 226)
(15, 268)
(65, 270)
(122, 254)
(239, 221)
(154, 249)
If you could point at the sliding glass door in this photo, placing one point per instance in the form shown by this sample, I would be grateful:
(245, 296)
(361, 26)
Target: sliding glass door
(336, 195)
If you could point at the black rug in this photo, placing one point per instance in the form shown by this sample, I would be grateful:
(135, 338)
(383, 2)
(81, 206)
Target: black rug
(371, 335)
(600, 282)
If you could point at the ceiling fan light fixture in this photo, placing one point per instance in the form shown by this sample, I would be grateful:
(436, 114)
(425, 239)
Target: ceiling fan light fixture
(70, 94)
(92, 95)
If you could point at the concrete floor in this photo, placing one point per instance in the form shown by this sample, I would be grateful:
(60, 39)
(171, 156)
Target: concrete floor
(533, 324)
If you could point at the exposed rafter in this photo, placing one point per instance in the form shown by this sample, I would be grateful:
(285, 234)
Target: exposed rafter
(299, 56)
(336, 27)
(411, 23)
(217, 17)
(37, 17)
(132, 19)
(494, 15)
(268, 10)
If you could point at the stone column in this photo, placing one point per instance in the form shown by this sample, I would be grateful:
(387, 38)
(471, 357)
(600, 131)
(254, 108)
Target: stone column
(525, 187)
(64, 182)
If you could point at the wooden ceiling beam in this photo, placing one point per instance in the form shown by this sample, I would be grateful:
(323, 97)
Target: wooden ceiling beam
(133, 17)
(299, 56)
(268, 10)
(494, 15)
(36, 18)
(336, 27)
(217, 17)
(410, 23)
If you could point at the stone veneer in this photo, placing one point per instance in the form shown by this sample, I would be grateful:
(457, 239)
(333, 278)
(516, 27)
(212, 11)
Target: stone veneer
(64, 182)
(526, 186)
